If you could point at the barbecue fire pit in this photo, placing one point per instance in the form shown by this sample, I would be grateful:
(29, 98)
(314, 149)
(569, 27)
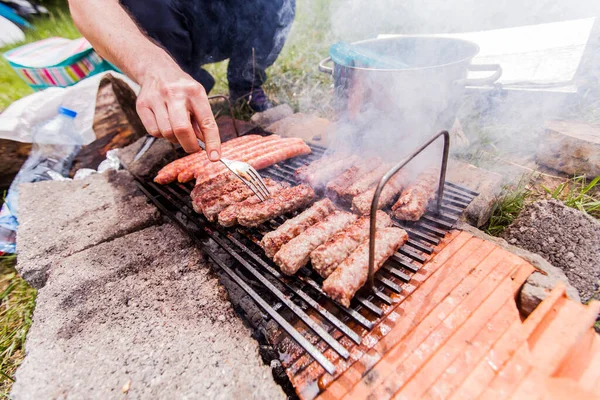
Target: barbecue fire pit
(315, 327)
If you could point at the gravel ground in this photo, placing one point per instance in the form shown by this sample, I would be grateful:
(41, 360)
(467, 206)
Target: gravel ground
(567, 238)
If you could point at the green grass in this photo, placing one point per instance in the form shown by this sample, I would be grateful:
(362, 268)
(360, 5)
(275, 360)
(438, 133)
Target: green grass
(580, 194)
(58, 24)
(507, 208)
(17, 301)
(577, 193)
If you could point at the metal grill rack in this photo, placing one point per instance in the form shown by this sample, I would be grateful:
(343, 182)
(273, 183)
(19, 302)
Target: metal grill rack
(288, 300)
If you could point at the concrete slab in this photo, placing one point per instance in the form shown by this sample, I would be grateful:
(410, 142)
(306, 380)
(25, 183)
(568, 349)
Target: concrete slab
(140, 316)
(61, 218)
(159, 154)
(488, 184)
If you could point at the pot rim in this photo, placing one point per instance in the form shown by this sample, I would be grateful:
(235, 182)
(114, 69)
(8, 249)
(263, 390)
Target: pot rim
(475, 47)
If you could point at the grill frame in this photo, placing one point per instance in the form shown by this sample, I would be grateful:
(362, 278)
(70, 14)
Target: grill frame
(292, 300)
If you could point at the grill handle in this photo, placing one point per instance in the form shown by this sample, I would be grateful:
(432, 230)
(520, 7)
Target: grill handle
(325, 69)
(488, 80)
(384, 180)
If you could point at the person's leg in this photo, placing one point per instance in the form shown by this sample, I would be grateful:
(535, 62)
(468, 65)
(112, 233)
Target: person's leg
(260, 33)
(169, 25)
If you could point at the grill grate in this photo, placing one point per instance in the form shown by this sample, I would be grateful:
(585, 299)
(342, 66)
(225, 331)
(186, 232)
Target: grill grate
(302, 295)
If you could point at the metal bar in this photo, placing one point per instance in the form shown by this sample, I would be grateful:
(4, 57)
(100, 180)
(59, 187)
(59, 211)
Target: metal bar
(348, 311)
(292, 287)
(463, 189)
(446, 225)
(301, 340)
(389, 284)
(369, 305)
(452, 209)
(384, 180)
(404, 261)
(456, 193)
(420, 246)
(398, 274)
(334, 344)
(455, 201)
(412, 254)
(220, 96)
(383, 297)
(428, 238)
(431, 229)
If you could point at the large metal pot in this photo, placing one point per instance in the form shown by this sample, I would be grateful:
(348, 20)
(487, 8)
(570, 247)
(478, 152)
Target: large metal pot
(424, 96)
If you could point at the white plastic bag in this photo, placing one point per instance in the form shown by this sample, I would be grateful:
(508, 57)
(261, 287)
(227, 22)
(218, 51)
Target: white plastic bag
(18, 120)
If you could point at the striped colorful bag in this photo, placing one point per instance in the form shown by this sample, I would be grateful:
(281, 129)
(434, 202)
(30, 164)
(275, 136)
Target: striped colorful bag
(56, 62)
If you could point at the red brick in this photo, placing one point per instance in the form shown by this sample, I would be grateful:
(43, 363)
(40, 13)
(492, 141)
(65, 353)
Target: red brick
(543, 309)
(414, 337)
(529, 388)
(476, 348)
(448, 272)
(444, 353)
(493, 361)
(562, 334)
(468, 317)
(510, 376)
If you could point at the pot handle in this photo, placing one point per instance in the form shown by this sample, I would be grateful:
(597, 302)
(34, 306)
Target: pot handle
(323, 68)
(496, 68)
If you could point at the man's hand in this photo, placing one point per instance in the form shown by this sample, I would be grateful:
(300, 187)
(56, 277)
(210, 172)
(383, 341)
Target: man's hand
(173, 105)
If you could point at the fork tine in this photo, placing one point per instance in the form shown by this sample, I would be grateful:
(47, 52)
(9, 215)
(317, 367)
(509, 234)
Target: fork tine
(258, 184)
(252, 187)
(261, 182)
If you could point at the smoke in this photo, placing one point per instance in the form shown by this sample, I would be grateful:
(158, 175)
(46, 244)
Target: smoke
(390, 115)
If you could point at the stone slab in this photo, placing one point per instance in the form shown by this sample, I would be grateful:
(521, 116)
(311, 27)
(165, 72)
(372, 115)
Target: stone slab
(488, 184)
(62, 218)
(159, 154)
(311, 128)
(272, 115)
(571, 147)
(139, 317)
(567, 238)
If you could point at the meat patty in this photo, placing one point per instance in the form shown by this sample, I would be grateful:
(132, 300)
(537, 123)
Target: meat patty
(319, 172)
(361, 203)
(201, 198)
(412, 203)
(352, 273)
(212, 207)
(272, 241)
(327, 256)
(284, 201)
(335, 189)
(228, 217)
(364, 183)
(295, 254)
(212, 185)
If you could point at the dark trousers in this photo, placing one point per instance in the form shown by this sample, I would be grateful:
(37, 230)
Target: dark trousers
(250, 33)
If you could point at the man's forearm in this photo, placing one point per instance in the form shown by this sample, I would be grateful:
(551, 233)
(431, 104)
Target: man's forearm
(116, 37)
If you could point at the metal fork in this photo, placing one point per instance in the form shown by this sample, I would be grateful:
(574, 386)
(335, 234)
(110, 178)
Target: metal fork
(246, 173)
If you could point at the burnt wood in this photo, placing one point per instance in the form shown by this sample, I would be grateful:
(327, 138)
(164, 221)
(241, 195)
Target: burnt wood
(116, 123)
